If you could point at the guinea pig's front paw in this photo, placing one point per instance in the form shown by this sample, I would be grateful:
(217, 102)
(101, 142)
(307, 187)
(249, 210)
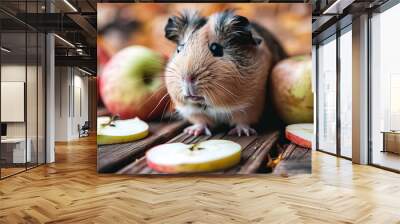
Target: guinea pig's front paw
(197, 129)
(242, 129)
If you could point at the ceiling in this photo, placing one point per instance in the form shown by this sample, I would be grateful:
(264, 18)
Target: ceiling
(330, 15)
(72, 20)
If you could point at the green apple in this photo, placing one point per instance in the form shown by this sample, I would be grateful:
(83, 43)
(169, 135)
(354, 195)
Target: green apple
(207, 156)
(131, 84)
(300, 134)
(120, 131)
(291, 90)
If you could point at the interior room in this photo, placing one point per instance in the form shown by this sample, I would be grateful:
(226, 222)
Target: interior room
(335, 74)
(71, 100)
(22, 98)
(46, 86)
(48, 151)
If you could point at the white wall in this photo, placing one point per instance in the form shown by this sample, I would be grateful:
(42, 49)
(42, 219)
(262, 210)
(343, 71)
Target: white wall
(71, 94)
(62, 81)
(80, 110)
(12, 73)
(33, 126)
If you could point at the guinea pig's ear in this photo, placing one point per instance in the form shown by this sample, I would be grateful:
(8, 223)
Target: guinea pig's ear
(235, 29)
(179, 26)
(174, 28)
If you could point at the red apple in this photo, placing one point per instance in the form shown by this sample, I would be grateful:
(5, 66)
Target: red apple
(131, 84)
(102, 56)
(300, 134)
(291, 90)
(102, 59)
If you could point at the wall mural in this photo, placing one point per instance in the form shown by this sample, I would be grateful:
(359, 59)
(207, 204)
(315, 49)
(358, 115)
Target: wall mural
(217, 88)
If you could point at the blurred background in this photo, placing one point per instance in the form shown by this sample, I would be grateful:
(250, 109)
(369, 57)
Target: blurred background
(121, 25)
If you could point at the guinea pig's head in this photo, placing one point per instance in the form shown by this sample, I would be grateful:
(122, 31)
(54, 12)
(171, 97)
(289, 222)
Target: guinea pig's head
(212, 57)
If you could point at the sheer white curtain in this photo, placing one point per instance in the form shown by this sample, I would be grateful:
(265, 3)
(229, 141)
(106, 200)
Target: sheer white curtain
(346, 93)
(327, 96)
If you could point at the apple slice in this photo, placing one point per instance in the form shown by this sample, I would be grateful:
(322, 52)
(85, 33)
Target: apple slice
(120, 131)
(205, 156)
(300, 134)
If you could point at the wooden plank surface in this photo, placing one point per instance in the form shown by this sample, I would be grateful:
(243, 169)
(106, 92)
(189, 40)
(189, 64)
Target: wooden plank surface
(255, 160)
(111, 158)
(294, 160)
(129, 158)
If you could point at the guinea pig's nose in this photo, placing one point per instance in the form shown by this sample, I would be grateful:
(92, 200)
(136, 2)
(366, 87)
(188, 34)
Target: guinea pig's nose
(189, 78)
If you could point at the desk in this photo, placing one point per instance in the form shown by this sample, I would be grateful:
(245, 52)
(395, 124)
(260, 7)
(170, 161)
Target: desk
(391, 141)
(13, 150)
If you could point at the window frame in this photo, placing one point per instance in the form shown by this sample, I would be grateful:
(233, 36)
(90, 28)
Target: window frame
(346, 27)
(26, 30)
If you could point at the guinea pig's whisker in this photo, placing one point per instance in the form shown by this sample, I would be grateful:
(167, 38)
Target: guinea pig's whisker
(210, 76)
(166, 105)
(171, 70)
(173, 65)
(172, 114)
(204, 63)
(169, 76)
(210, 95)
(222, 88)
(158, 104)
(172, 81)
(202, 71)
(151, 96)
(207, 93)
(225, 89)
(210, 65)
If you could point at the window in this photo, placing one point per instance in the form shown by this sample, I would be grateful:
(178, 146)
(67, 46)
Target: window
(22, 75)
(385, 89)
(327, 96)
(346, 93)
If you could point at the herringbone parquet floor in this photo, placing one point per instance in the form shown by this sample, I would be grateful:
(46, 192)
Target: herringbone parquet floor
(70, 191)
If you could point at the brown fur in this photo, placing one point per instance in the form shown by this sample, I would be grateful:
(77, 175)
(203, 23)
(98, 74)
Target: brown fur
(238, 90)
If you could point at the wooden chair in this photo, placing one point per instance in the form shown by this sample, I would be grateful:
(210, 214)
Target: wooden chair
(84, 130)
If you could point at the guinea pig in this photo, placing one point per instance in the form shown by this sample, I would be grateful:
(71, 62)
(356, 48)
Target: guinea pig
(219, 71)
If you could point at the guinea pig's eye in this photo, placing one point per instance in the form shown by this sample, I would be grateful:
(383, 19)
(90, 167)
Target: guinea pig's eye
(217, 50)
(179, 48)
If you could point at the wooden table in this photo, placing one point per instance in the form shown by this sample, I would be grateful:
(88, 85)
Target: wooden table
(14, 153)
(391, 141)
(262, 153)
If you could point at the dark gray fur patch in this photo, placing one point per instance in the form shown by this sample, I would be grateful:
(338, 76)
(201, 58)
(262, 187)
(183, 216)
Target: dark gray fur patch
(234, 34)
(177, 26)
(233, 29)
(278, 53)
